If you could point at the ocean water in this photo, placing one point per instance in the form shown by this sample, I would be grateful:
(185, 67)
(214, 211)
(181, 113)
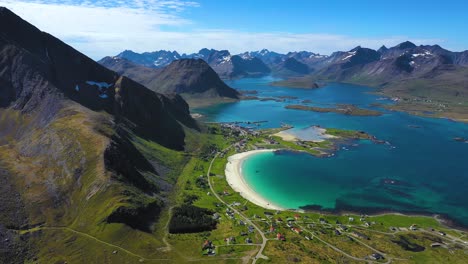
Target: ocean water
(423, 170)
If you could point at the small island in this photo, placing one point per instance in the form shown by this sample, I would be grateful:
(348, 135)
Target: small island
(301, 83)
(340, 109)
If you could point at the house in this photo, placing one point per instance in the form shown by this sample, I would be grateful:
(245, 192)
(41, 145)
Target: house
(413, 227)
(241, 223)
(442, 233)
(337, 232)
(281, 237)
(272, 229)
(323, 221)
(296, 230)
(243, 233)
(216, 216)
(436, 245)
(376, 256)
(248, 240)
(360, 235)
(351, 219)
(230, 240)
(306, 237)
(297, 217)
(207, 245)
(279, 220)
(342, 228)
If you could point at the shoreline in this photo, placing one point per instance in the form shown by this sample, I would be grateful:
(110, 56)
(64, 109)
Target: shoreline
(235, 179)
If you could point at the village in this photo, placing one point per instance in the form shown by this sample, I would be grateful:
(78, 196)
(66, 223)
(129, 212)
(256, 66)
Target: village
(276, 228)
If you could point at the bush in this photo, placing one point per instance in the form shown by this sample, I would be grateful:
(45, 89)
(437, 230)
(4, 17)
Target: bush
(190, 198)
(191, 219)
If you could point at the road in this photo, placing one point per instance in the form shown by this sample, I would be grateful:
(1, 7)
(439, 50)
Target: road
(95, 239)
(246, 220)
(333, 247)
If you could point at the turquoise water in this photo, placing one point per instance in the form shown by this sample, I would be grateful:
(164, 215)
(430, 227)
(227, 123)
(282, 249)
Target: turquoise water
(428, 168)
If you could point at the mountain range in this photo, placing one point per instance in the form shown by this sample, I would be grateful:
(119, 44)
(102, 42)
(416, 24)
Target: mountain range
(297, 62)
(226, 65)
(424, 73)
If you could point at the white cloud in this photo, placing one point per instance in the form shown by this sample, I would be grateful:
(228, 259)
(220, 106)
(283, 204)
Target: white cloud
(107, 27)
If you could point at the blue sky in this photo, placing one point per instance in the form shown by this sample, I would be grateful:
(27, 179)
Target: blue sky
(106, 27)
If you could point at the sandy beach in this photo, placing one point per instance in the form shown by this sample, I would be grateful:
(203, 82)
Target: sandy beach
(313, 133)
(236, 180)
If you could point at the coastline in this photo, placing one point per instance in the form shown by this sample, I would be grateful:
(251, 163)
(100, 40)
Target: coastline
(236, 180)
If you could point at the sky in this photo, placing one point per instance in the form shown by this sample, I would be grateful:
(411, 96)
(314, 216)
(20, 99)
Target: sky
(107, 27)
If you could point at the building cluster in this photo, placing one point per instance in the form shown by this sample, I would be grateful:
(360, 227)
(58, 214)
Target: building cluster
(235, 129)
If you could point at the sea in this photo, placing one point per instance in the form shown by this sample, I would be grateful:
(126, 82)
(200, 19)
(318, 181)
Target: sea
(421, 169)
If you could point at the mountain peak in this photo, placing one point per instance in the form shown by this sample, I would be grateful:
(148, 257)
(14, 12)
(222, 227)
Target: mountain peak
(356, 49)
(406, 45)
(382, 49)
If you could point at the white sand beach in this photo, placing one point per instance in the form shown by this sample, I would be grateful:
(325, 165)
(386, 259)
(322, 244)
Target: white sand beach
(236, 180)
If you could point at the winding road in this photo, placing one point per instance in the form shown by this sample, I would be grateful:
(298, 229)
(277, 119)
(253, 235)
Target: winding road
(246, 220)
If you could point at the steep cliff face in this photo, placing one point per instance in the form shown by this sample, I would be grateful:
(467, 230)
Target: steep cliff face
(67, 141)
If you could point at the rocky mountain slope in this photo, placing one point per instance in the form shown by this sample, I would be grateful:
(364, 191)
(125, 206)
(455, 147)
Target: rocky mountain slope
(74, 140)
(290, 67)
(193, 79)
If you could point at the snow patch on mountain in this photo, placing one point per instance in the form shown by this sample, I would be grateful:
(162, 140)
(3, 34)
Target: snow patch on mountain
(350, 54)
(424, 54)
